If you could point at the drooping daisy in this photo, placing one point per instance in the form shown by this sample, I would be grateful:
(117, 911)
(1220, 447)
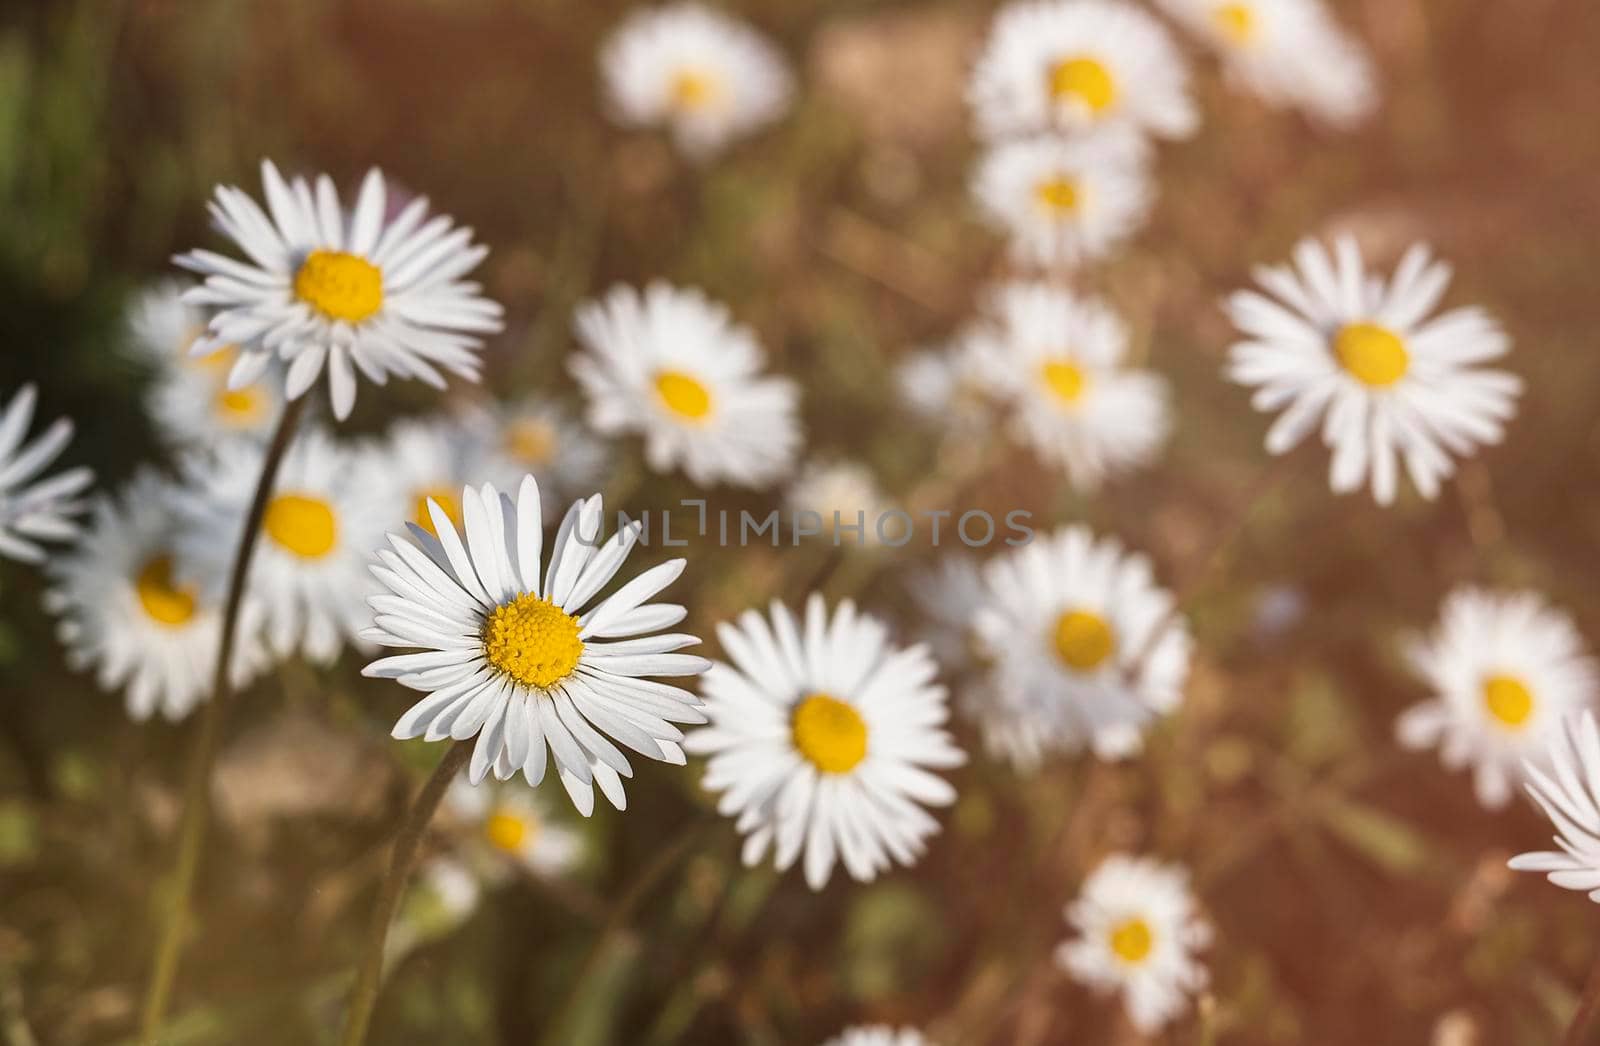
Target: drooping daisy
(1505, 669)
(846, 498)
(1137, 933)
(945, 386)
(1071, 65)
(327, 513)
(350, 290)
(1565, 780)
(432, 459)
(705, 77)
(1064, 201)
(126, 613)
(1085, 644)
(33, 509)
(1289, 52)
(511, 822)
(878, 1035)
(823, 737)
(512, 656)
(1389, 384)
(1057, 360)
(673, 365)
(538, 437)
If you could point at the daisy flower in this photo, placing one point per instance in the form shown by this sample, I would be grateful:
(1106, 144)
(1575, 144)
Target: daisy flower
(33, 509)
(1085, 643)
(513, 823)
(843, 494)
(352, 290)
(822, 738)
(1389, 384)
(1564, 781)
(511, 655)
(1289, 52)
(431, 459)
(705, 77)
(162, 327)
(1505, 670)
(878, 1035)
(673, 365)
(538, 437)
(126, 614)
(946, 595)
(1071, 65)
(1137, 933)
(945, 387)
(326, 515)
(1057, 362)
(1063, 201)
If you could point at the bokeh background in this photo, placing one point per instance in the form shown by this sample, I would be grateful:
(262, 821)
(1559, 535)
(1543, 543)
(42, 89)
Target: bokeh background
(1359, 892)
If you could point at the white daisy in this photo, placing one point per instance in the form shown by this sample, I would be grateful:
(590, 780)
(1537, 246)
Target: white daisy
(944, 386)
(126, 614)
(704, 76)
(1069, 65)
(1565, 781)
(431, 459)
(162, 327)
(1063, 201)
(511, 822)
(1506, 669)
(673, 365)
(1360, 355)
(822, 737)
(845, 496)
(32, 509)
(326, 515)
(1137, 933)
(1087, 649)
(515, 659)
(878, 1035)
(354, 290)
(1289, 52)
(1058, 362)
(947, 595)
(540, 437)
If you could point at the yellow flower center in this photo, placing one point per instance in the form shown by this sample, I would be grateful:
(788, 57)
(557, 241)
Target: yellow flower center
(340, 286)
(683, 395)
(1083, 639)
(1508, 700)
(531, 441)
(694, 89)
(1372, 354)
(1058, 194)
(1086, 80)
(161, 598)
(303, 524)
(446, 501)
(533, 641)
(829, 733)
(1236, 23)
(1065, 380)
(509, 831)
(241, 408)
(1131, 940)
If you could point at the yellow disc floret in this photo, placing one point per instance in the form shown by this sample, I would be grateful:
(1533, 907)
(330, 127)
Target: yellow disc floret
(1057, 194)
(161, 598)
(695, 89)
(508, 831)
(1372, 354)
(1236, 22)
(829, 733)
(242, 408)
(1065, 380)
(533, 641)
(1131, 940)
(303, 524)
(683, 395)
(1086, 80)
(1508, 700)
(340, 286)
(531, 441)
(1083, 639)
(446, 501)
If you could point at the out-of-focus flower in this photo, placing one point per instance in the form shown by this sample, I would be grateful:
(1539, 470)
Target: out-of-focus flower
(326, 515)
(126, 614)
(1289, 52)
(878, 1035)
(538, 437)
(707, 78)
(1064, 201)
(947, 595)
(506, 657)
(1057, 361)
(1071, 65)
(944, 387)
(349, 290)
(1565, 781)
(1137, 934)
(1505, 669)
(1087, 649)
(844, 495)
(512, 822)
(673, 365)
(32, 509)
(431, 459)
(822, 738)
(1360, 355)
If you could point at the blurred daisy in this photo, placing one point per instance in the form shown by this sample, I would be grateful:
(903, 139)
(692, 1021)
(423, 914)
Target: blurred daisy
(513, 823)
(1137, 933)
(946, 595)
(540, 437)
(1565, 780)
(34, 509)
(125, 613)
(705, 77)
(1289, 52)
(845, 496)
(162, 327)
(1389, 384)
(822, 738)
(1063, 201)
(350, 290)
(431, 459)
(671, 364)
(326, 515)
(1506, 669)
(878, 1035)
(1087, 648)
(443, 895)
(945, 386)
(1057, 361)
(1069, 65)
(513, 658)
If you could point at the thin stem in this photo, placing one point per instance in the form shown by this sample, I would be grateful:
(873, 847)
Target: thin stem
(1588, 1009)
(406, 844)
(197, 777)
